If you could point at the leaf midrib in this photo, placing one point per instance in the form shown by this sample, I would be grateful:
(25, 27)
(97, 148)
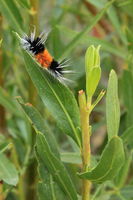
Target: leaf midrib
(56, 170)
(59, 101)
(66, 113)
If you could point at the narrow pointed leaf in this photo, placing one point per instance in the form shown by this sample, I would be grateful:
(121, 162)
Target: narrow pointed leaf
(4, 146)
(48, 189)
(127, 91)
(11, 12)
(54, 166)
(112, 14)
(71, 157)
(8, 172)
(89, 58)
(93, 80)
(122, 176)
(57, 45)
(57, 98)
(110, 163)
(100, 96)
(25, 3)
(127, 136)
(39, 124)
(112, 106)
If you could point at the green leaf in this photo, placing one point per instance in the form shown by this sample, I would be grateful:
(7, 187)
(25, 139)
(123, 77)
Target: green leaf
(124, 3)
(110, 163)
(87, 29)
(93, 70)
(130, 40)
(48, 189)
(97, 3)
(127, 91)
(8, 172)
(7, 102)
(71, 157)
(24, 3)
(100, 96)
(4, 146)
(89, 58)
(121, 178)
(57, 46)
(127, 136)
(112, 14)
(127, 192)
(57, 98)
(112, 106)
(54, 166)
(10, 11)
(92, 80)
(39, 124)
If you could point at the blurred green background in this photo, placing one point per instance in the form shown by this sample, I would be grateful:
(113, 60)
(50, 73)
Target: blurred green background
(73, 27)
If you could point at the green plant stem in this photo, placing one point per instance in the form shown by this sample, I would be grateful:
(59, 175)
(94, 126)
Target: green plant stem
(86, 151)
(1, 191)
(21, 188)
(2, 110)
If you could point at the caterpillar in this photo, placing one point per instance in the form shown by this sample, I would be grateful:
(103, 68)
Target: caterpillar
(36, 46)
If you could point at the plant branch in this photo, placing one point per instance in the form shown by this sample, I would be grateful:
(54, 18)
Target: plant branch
(86, 151)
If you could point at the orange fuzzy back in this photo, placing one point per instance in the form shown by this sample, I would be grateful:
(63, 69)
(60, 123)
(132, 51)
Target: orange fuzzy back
(44, 58)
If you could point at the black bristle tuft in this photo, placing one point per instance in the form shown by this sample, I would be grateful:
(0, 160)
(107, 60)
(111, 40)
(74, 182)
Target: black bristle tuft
(35, 46)
(56, 68)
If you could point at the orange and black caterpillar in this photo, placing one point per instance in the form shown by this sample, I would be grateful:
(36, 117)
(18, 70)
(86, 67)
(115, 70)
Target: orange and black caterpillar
(36, 46)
